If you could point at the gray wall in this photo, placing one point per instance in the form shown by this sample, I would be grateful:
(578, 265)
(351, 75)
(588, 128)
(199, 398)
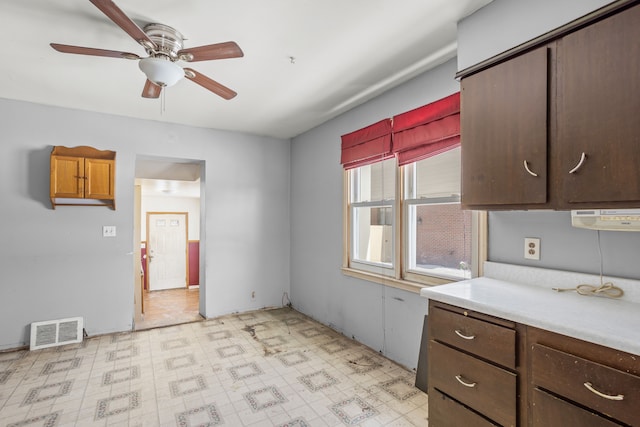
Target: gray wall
(56, 264)
(504, 24)
(383, 318)
(499, 26)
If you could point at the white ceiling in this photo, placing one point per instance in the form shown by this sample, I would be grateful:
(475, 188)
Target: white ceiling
(344, 53)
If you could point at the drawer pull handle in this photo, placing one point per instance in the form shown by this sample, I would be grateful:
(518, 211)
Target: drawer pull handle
(464, 383)
(589, 387)
(466, 337)
(526, 166)
(582, 159)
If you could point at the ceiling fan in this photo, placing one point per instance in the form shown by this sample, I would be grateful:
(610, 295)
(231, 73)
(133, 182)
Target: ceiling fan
(164, 47)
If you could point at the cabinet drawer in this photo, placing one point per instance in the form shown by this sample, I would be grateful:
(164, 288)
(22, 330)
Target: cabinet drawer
(484, 339)
(486, 388)
(571, 376)
(550, 411)
(446, 412)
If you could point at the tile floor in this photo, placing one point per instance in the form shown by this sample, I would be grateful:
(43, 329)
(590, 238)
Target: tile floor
(264, 368)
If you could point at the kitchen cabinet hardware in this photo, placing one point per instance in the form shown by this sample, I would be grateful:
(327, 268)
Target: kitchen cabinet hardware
(464, 382)
(579, 165)
(590, 387)
(526, 166)
(463, 336)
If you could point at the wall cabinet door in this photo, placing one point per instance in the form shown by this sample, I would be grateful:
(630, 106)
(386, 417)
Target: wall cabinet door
(504, 132)
(99, 175)
(598, 104)
(66, 177)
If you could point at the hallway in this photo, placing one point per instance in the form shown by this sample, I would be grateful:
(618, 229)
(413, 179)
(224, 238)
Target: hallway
(170, 307)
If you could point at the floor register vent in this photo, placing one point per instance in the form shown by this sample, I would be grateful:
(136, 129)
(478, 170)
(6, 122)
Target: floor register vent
(52, 333)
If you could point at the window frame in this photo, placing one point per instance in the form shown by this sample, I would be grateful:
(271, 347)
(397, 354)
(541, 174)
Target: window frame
(402, 277)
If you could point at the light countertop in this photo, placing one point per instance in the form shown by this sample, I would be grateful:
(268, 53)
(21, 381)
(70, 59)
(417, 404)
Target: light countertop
(610, 322)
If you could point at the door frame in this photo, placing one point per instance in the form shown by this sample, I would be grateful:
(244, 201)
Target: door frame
(186, 259)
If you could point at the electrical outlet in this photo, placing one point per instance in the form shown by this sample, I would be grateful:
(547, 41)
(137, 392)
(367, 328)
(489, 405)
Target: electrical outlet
(532, 248)
(108, 231)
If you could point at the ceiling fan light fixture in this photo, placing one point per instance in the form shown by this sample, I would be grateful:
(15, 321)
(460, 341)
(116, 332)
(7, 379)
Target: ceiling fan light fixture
(162, 72)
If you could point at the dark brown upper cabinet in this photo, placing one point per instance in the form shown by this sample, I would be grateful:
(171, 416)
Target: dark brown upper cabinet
(554, 125)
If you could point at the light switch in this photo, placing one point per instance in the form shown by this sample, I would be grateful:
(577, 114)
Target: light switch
(108, 231)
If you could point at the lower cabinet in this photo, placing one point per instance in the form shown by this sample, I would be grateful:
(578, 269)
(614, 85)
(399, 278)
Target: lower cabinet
(471, 369)
(486, 371)
(601, 386)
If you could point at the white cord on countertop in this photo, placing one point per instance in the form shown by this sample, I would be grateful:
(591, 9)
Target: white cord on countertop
(607, 289)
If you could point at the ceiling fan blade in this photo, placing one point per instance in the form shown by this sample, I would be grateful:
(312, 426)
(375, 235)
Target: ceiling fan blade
(209, 84)
(212, 51)
(114, 13)
(151, 90)
(65, 48)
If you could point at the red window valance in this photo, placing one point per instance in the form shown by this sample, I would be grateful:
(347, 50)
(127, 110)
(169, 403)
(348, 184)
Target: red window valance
(367, 145)
(427, 131)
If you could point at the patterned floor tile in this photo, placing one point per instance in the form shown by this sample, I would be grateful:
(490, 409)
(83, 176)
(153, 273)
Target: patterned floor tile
(318, 380)
(4, 375)
(61, 365)
(211, 373)
(47, 392)
(292, 358)
(230, 351)
(178, 362)
(219, 335)
(174, 343)
(334, 346)
(123, 353)
(118, 404)
(363, 364)
(353, 411)
(297, 422)
(188, 385)
(400, 388)
(204, 416)
(120, 375)
(274, 341)
(123, 337)
(264, 398)
(245, 371)
(48, 420)
(312, 332)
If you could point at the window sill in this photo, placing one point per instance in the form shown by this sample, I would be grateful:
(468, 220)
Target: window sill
(393, 282)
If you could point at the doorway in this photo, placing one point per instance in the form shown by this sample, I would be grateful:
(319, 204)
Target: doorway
(168, 222)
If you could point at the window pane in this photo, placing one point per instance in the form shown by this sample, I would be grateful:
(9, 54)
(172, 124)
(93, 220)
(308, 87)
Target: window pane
(438, 176)
(372, 234)
(374, 182)
(440, 240)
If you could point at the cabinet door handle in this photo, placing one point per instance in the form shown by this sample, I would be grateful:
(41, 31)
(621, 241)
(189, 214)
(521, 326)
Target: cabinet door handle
(461, 335)
(464, 383)
(590, 387)
(582, 159)
(526, 166)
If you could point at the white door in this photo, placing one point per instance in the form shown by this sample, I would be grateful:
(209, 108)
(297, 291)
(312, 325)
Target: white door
(167, 250)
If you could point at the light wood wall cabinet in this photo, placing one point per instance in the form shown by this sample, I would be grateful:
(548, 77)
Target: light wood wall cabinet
(553, 124)
(82, 176)
(486, 371)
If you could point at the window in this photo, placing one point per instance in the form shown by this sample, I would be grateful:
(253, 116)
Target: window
(372, 209)
(438, 232)
(403, 222)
